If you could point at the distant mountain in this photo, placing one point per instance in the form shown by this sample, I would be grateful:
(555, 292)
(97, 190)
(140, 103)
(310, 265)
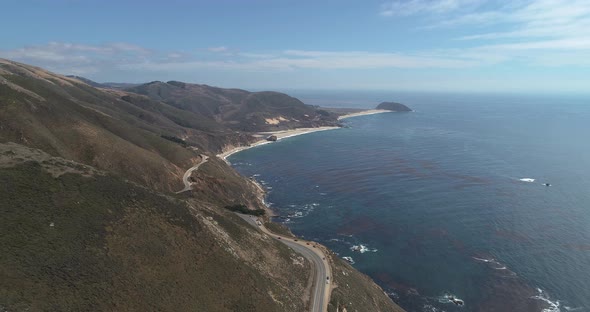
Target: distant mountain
(237, 109)
(87, 81)
(393, 106)
(107, 85)
(119, 85)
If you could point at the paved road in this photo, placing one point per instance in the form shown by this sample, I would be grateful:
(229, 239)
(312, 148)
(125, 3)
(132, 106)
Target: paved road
(321, 290)
(187, 174)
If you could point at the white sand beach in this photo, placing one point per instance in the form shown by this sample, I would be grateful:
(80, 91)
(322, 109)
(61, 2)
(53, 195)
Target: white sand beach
(293, 132)
(363, 113)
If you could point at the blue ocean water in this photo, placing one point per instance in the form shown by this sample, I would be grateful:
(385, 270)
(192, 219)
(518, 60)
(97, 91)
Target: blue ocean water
(440, 202)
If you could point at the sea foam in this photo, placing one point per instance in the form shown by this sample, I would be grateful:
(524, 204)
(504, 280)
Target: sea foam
(530, 180)
(553, 306)
(362, 248)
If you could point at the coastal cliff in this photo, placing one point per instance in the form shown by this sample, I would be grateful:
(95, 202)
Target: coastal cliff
(91, 218)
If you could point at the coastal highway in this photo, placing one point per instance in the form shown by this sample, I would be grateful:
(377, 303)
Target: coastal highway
(320, 295)
(187, 174)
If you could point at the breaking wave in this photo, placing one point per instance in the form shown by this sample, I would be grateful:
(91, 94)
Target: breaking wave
(362, 248)
(552, 306)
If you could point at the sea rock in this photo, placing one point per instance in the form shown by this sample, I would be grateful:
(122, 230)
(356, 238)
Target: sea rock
(393, 106)
(272, 138)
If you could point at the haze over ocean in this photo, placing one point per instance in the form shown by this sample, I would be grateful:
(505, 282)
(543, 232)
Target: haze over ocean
(440, 201)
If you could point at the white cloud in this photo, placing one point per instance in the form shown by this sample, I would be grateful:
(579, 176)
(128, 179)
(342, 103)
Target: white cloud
(89, 59)
(526, 19)
(411, 7)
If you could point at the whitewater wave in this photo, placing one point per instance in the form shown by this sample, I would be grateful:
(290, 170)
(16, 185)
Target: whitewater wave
(450, 298)
(362, 248)
(348, 259)
(297, 214)
(495, 264)
(553, 306)
(530, 180)
(430, 308)
(301, 211)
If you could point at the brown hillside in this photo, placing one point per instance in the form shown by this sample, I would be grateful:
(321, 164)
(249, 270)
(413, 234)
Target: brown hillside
(90, 220)
(238, 109)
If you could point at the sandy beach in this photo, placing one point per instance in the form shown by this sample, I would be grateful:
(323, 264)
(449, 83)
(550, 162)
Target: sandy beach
(363, 113)
(279, 134)
(293, 132)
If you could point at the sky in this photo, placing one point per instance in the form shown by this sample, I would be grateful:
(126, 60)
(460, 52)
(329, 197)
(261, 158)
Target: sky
(414, 45)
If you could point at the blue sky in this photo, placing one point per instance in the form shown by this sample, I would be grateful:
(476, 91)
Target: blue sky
(414, 45)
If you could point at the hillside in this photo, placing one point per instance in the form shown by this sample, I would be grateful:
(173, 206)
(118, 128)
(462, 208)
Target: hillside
(91, 220)
(238, 109)
(111, 130)
(394, 106)
(74, 238)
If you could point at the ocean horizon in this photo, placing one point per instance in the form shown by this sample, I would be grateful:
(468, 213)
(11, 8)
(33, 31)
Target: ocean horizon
(471, 197)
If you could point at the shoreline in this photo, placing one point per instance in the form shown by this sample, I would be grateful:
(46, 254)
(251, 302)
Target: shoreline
(283, 134)
(262, 191)
(364, 113)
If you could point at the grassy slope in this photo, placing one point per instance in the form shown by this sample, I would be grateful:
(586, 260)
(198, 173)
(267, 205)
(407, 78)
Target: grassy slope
(118, 246)
(93, 127)
(237, 109)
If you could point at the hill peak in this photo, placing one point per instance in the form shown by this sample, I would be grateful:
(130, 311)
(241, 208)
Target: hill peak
(394, 106)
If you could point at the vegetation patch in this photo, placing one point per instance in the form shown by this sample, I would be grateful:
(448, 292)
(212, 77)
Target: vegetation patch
(175, 140)
(74, 243)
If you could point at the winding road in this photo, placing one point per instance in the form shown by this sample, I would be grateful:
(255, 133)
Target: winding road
(322, 285)
(187, 174)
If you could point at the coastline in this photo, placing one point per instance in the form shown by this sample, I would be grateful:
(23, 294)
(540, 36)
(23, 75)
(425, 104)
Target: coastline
(283, 134)
(279, 134)
(364, 113)
(327, 254)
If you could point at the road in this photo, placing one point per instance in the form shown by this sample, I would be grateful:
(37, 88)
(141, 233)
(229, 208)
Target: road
(187, 174)
(321, 290)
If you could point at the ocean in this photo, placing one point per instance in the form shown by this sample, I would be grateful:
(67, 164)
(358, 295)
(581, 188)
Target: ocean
(448, 201)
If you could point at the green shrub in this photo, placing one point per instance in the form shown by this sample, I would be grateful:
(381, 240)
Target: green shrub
(174, 139)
